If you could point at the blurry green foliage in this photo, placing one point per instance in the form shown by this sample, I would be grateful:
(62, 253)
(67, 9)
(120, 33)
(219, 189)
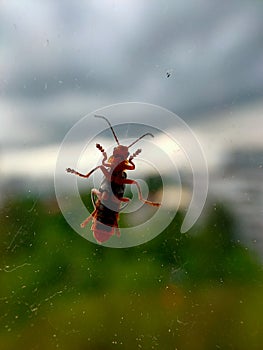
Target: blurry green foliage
(200, 290)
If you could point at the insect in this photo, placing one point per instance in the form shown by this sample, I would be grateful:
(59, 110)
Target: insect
(109, 200)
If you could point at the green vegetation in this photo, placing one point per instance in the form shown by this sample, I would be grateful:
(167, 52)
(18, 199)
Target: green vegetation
(200, 290)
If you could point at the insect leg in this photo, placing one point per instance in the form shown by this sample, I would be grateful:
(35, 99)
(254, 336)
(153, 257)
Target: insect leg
(100, 148)
(133, 182)
(135, 154)
(104, 170)
(95, 192)
(117, 231)
(86, 221)
(124, 199)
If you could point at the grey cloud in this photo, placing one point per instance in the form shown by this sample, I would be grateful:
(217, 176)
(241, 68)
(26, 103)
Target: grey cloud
(214, 50)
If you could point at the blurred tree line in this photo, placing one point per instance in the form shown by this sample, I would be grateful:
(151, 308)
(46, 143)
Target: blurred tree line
(49, 274)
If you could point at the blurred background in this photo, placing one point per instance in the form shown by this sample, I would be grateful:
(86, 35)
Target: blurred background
(59, 61)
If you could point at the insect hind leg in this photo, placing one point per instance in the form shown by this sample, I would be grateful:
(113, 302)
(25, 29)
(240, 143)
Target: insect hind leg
(86, 221)
(94, 192)
(97, 193)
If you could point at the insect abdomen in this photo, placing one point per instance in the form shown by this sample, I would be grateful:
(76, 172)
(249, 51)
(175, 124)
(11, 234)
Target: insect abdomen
(106, 215)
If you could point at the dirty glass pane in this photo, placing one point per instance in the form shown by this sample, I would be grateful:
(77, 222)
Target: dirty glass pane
(172, 286)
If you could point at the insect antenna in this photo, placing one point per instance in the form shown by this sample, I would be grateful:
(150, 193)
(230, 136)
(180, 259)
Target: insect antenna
(113, 132)
(148, 133)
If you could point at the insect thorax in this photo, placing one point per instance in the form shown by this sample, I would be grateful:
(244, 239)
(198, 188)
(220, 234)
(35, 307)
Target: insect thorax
(112, 187)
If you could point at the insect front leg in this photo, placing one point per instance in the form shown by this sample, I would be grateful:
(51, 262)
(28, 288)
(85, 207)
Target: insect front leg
(133, 182)
(105, 157)
(135, 154)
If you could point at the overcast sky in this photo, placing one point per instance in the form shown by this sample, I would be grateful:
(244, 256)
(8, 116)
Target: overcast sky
(60, 60)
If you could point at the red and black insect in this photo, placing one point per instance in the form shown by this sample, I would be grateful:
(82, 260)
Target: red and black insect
(108, 199)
